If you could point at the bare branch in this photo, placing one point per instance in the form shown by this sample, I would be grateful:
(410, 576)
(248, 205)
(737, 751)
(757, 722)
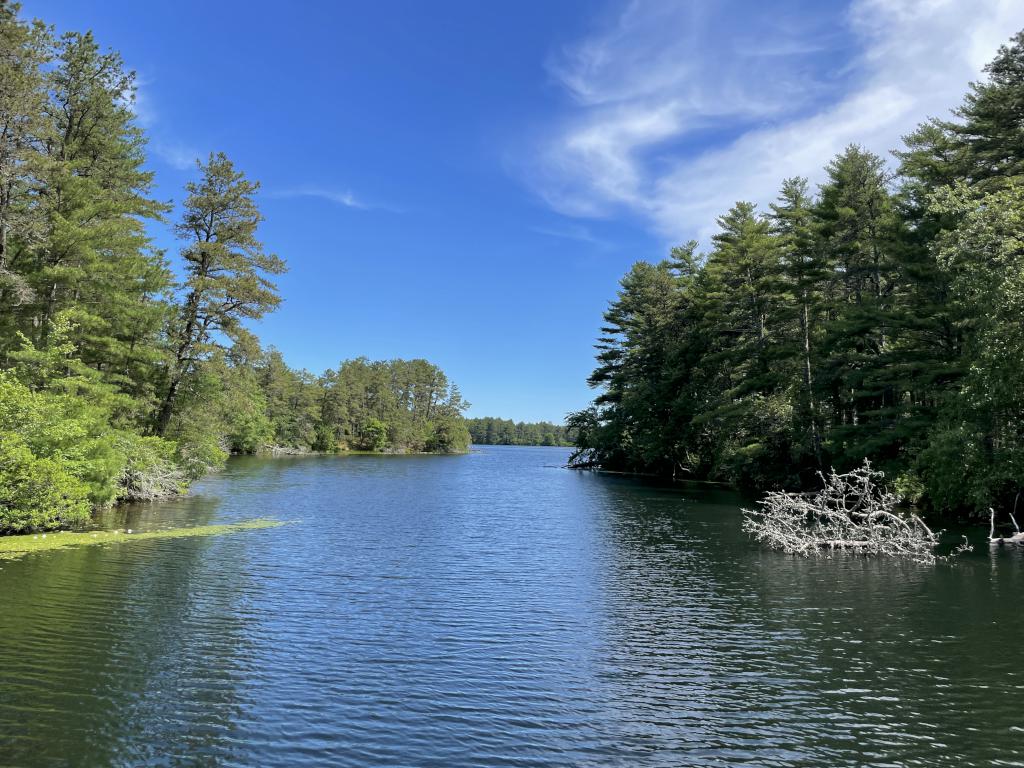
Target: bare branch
(852, 511)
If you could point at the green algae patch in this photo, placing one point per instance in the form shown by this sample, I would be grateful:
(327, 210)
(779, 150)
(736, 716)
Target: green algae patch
(12, 547)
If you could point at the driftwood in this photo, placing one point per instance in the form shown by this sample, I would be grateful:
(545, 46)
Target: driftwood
(851, 512)
(160, 480)
(995, 541)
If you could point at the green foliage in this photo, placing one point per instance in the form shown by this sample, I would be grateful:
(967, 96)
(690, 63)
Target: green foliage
(394, 406)
(65, 417)
(24, 51)
(488, 430)
(37, 494)
(79, 247)
(227, 273)
(152, 470)
(908, 486)
(880, 318)
(292, 401)
(62, 411)
(373, 436)
(115, 382)
(449, 435)
(984, 258)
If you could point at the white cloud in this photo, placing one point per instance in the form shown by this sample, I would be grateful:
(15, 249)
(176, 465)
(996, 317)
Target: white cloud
(175, 154)
(140, 104)
(172, 152)
(676, 115)
(344, 197)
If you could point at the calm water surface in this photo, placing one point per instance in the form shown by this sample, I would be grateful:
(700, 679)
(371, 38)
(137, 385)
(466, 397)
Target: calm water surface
(495, 610)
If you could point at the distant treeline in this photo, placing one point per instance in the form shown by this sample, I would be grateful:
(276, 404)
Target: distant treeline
(120, 379)
(879, 316)
(491, 431)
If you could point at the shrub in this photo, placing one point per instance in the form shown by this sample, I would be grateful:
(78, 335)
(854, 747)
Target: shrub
(37, 494)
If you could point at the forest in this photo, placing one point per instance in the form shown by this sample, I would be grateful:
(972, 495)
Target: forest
(877, 315)
(122, 378)
(488, 430)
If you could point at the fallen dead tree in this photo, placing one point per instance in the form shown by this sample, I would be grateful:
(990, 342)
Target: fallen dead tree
(851, 512)
(160, 480)
(1017, 538)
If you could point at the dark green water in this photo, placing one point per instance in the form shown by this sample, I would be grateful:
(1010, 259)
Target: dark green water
(494, 610)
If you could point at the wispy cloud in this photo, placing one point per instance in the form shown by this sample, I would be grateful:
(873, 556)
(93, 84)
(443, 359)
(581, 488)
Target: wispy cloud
(343, 197)
(676, 114)
(175, 154)
(171, 151)
(576, 232)
(140, 104)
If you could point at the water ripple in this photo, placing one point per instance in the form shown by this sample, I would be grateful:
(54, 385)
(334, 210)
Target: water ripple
(492, 610)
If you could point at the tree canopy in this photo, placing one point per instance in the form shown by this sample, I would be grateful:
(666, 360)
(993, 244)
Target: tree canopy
(121, 378)
(877, 317)
(488, 430)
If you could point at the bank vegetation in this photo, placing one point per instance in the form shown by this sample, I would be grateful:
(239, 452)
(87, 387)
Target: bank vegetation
(876, 315)
(120, 377)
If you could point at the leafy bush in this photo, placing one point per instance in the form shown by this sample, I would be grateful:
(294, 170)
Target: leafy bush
(71, 431)
(62, 453)
(374, 436)
(37, 494)
(450, 435)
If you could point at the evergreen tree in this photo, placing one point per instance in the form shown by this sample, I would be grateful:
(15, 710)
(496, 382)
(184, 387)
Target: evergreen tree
(983, 145)
(879, 320)
(24, 50)
(975, 451)
(485, 431)
(94, 261)
(804, 271)
(227, 272)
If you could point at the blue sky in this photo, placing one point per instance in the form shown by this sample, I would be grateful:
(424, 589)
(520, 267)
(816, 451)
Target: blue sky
(467, 181)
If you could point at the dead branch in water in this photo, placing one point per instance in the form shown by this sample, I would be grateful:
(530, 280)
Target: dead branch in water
(852, 511)
(160, 480)
(1016, 538)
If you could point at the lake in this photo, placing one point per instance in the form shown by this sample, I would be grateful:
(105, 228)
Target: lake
(495, 609)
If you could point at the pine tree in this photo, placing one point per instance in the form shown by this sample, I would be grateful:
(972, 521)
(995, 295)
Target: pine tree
(227, 272)
(24, 50)
(983, 145)
(634, 369)
(805, 273)
(858, 226)
(744, 272)
(91, 260)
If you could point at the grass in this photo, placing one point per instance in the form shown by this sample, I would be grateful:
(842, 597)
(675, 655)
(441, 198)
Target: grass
(12, 547)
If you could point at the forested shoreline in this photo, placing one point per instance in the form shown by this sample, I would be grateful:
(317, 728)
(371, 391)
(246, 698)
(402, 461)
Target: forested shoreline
(877, 317)
(120, 377)
(488, 430)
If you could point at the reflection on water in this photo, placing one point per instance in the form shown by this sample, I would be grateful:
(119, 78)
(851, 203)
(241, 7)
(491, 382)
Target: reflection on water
(493, 609)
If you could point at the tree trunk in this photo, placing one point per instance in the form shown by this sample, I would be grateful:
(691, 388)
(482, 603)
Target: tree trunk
(167, 406)
(182, 354)
(805, 322)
